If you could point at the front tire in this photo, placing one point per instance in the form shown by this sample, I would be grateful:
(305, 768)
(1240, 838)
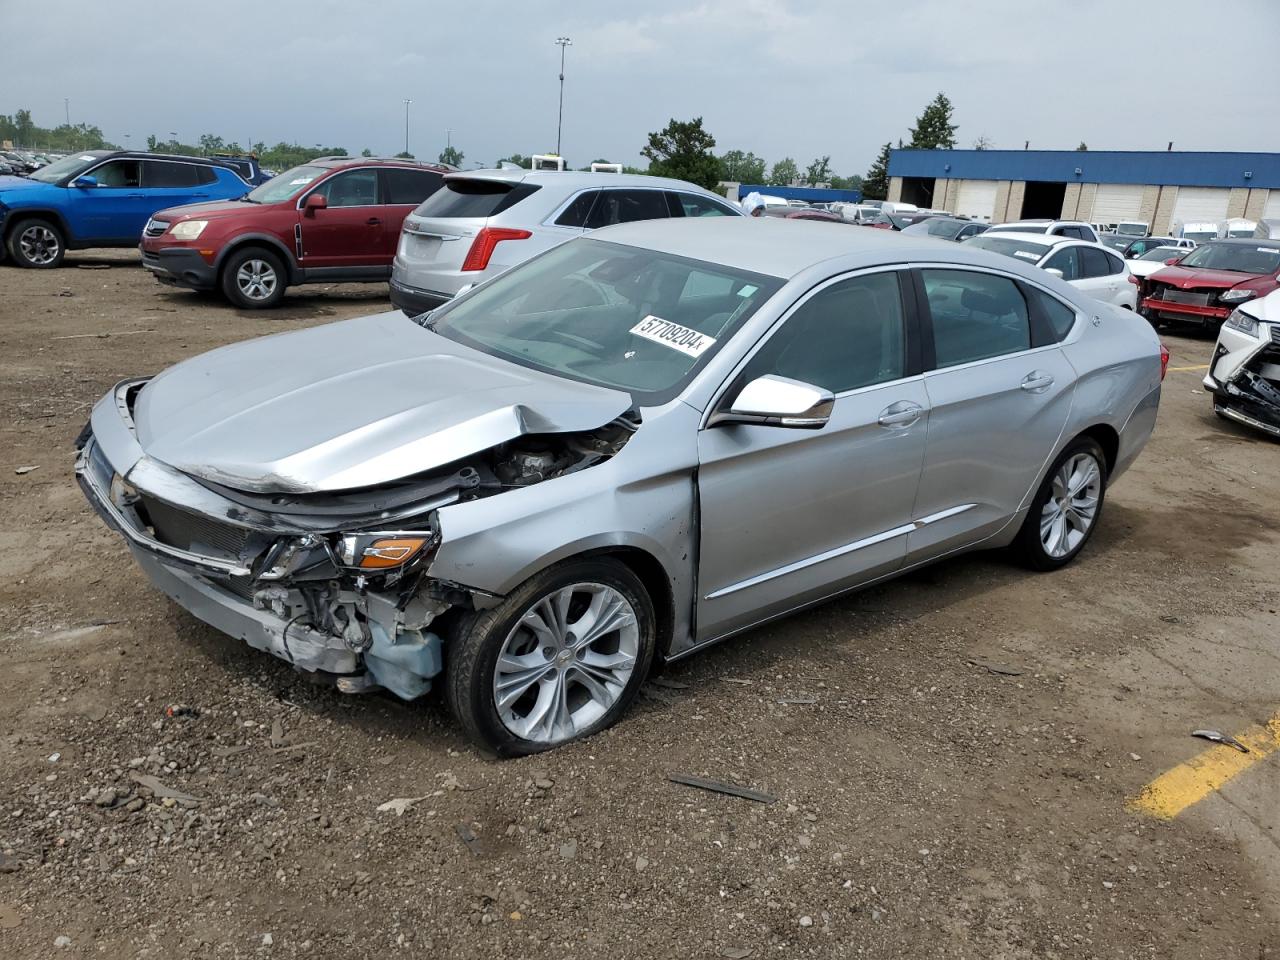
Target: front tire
(1066, 508)
(254, 279)
(560, 659)
(36, 243)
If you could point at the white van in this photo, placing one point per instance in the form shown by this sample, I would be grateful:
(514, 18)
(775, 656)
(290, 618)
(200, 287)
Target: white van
(1236, 227)
(1133, 228)
(894, 206)
(1197, 232)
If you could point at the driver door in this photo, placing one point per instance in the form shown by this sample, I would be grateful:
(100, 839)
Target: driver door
(790, 515)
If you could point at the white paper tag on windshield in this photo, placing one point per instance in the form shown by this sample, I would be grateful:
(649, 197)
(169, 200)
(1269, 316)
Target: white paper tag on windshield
(1026, 255)
(1266, 249)
(689, 342)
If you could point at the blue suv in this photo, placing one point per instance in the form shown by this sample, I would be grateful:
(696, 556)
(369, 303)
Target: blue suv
(102, 198)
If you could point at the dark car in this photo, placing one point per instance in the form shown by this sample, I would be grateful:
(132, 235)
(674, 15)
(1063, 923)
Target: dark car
(804, 213)
(1131, 249)
(1212, 280)
(947, 228)
(900, 221)
(101, 198)
(336, 219)
(248, 167)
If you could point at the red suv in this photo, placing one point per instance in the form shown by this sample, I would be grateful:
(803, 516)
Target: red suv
(1212, 280)
(336, 219)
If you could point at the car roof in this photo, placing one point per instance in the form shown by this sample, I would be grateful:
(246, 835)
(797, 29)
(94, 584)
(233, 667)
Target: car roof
(576, 180)
(335, 162)
(1014, 224)
(1246, 241)
(781, 247)
(147, 155)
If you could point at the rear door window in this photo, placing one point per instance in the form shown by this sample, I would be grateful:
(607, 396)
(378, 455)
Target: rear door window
(409, 186)
(575, 215)
(1094, 262)
(975, 316)
(627, 206)
(169, 173)
(692, 205)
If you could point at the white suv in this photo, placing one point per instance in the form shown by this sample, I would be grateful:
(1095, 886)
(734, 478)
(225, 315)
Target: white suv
(1098, 271)
(1071, 229)
(483, 222)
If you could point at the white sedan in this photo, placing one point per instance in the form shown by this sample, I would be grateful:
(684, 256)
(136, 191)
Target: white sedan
(1157, 258)
(1092, 268)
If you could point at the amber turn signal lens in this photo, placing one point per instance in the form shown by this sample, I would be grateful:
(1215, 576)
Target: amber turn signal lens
(391, 552)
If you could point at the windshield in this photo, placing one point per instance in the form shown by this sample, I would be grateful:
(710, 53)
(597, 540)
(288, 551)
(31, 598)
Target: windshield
(1028, 250)
(1240, 232)
(1132, 229)
(1200, 236)
(1237, 257)
(1162, 253)
(66, 167)
(1117, 242)
(288, 184)
(621, 317)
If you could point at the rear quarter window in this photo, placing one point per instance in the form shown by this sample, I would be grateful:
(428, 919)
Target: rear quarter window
(474, 199)
(169, 173)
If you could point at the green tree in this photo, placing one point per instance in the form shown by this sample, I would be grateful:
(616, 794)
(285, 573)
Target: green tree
(519, 159)
(983, 143)
(366, 152)
(847, 183)
(742, 167)
(210, 143)
(818, 172)
(934, 129)
(451, 155)
(1084, 147)
(404, 155)
(683, 151)
(875, 185)
(784, 173)
(24, 128)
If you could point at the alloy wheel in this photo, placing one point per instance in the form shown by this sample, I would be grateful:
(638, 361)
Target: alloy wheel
(1072, 505)
(256, 279)
(566, 662)
(39, 244)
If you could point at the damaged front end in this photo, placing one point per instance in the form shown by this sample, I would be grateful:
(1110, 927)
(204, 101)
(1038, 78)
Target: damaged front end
(1244, 374)
(337, 583)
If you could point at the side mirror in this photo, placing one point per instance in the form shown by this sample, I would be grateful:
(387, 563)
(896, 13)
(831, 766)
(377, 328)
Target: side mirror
(1055, 271)
(780, 402)
(1171, 261)
(85, 181)
(317, 201)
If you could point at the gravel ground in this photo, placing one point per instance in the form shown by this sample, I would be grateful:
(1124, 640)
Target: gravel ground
(927, 804)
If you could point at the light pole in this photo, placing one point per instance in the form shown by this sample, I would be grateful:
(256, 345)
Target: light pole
(562, 42)
(448, 137)
(406, 125)
(66, 105)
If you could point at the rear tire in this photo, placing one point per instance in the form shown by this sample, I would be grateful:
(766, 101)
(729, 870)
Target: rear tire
(1066, 508)
(36, 243)
(254, 278)
(519, 679)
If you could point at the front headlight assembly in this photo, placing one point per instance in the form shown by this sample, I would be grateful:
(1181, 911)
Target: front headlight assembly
(1241, 321)
(1237, 295)
(382, 551)
(188, 229)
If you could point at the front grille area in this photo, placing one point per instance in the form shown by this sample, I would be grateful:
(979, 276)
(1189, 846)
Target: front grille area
(194, 532)
(1194, 297)
(156, 228)
(1275, 333)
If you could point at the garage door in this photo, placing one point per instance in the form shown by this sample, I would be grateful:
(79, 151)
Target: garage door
(1200, 205)
(977, 199)
(1117, 201)
(1272, 209)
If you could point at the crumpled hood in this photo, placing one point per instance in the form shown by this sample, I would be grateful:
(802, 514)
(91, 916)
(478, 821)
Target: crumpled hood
(350, 404)
(1183, 277)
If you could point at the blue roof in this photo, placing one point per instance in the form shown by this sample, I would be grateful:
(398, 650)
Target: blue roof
(1186, 168)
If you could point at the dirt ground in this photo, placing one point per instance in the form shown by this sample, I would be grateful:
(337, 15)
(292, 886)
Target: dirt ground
(927, 806)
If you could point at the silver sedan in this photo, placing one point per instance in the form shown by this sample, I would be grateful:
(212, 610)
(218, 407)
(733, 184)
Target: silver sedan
(626, 449)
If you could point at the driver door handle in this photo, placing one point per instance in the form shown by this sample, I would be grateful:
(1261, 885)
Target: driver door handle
(1036, 382)
(901, 414)
(373, 221)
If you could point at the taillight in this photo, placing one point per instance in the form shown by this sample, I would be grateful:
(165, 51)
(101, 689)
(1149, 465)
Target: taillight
(482, 247)
(1164, 360)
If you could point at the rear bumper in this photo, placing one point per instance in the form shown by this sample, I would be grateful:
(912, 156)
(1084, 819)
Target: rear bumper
(414, 301)
(181, 267)
(1187, 312)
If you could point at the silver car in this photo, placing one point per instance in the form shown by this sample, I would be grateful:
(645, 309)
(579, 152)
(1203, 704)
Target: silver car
(486, 221)
(628, 448)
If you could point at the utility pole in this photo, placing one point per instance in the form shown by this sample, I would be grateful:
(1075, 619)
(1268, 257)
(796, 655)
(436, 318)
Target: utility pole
(66, 105)
(406, 125)
(448, 138)
(562, 42)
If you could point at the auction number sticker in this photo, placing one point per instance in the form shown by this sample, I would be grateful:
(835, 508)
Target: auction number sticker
(673, 335)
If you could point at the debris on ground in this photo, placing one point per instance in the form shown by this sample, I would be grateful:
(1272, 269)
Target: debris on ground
(21, 470)
(668, 684)
(717, 786)
(745, 683)
(736, 953)
(799, 701)
(1222, 738)
(399, 805)
(469, 838)
(159, 790)
(181, 710)
(1002, 669)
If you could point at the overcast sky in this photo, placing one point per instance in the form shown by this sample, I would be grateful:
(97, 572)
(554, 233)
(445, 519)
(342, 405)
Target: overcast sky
(777, 77)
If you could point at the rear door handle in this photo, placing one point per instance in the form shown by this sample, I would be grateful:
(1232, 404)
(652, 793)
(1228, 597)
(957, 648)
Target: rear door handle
(136, 196)
(901, 414)
(373, 221)
(1036, 382)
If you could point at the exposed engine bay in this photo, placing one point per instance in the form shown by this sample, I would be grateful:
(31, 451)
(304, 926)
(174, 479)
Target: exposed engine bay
(1251, 394)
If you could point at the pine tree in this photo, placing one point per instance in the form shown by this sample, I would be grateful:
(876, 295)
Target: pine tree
(875, 185)
(934, 129)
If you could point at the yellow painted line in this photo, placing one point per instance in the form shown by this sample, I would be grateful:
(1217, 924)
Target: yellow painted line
(1188, 783)
(1198, 366)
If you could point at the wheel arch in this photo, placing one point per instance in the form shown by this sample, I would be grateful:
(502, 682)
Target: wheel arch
(1106, 436)
(259, 240)
(16, 215)
(649, 570)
